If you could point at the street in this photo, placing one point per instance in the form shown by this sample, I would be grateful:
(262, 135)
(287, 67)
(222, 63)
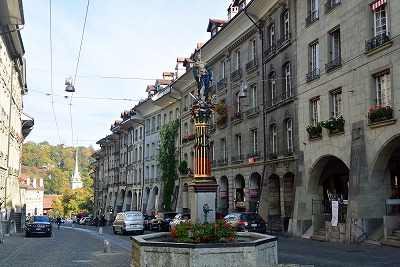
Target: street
(82, 245)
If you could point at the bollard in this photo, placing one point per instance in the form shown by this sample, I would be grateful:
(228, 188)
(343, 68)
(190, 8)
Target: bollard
(100, 230)
(107, 246)
(73, 225)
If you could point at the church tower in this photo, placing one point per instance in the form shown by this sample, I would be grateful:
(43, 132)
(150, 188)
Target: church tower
(76, 181)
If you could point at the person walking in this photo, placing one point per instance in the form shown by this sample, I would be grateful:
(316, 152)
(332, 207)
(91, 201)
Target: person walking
(58, 221)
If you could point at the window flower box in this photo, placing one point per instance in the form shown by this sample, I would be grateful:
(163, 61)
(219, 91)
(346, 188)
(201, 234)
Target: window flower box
(380, 113)
(334, 124)
(314, 131)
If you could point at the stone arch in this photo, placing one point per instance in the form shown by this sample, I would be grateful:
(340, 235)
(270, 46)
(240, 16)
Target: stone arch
(289, 194)
(240, 193)
(254, 191)
(128, 201)
(274, 195)
(120, 200)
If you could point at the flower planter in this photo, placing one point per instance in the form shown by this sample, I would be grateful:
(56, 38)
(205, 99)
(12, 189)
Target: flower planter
(250, 250)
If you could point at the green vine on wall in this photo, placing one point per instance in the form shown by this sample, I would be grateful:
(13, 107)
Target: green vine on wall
(168, 162)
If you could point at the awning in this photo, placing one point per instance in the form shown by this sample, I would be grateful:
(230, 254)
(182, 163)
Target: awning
(378, 4)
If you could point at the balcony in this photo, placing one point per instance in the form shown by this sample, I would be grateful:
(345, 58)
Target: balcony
(376, 42)
(237, 117)
(236, 74)
(187, 138)
(314, 74)
(221, 83)
(312, 17)
(336, 63)
(331, 4)
(222, 161)
(284, 40)
(270, 51)
(253, 111)
(271, 102)
(252, 64)
(254, 154)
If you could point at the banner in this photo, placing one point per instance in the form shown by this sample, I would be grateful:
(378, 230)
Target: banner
(253, 192)
(223, 194)
(335, 213)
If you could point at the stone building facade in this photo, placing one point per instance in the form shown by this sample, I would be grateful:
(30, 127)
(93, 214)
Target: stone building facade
(305, 126)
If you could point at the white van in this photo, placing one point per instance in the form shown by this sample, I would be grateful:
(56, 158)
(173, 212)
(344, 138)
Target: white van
(128, 221)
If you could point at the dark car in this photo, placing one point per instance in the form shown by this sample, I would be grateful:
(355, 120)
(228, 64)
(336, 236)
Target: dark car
(247, 222)
(38, 225)
(146, 223)
(162, 220)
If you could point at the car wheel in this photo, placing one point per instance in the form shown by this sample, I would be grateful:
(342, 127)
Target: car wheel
(141, 232)
(115, 231)
(27, 234)
(49, 234)
(151, 227)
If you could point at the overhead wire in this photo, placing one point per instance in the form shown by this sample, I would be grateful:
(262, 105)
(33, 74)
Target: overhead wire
(76, 70)
(51, 76)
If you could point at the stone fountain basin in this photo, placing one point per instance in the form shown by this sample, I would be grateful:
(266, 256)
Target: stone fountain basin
(249, 250)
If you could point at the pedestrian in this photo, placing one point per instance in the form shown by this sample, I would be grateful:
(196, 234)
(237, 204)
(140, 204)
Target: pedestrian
(58, 221)
(103, 220)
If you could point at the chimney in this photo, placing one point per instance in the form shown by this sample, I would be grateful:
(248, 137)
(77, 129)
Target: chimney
(34, 182)
(41, 183)
(28, 180)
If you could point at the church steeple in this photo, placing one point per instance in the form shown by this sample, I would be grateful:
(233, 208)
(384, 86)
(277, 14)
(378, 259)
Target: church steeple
(76, 181)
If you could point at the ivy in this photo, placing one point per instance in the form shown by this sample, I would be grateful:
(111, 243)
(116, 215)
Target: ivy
(168, 162)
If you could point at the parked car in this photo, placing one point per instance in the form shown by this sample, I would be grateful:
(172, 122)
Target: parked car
(162, 220)
(38, 225)
(146, 222)
(128, 221)
(247, 222)
(180, 217)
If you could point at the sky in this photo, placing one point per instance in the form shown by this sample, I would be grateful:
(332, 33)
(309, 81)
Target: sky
(123, 46)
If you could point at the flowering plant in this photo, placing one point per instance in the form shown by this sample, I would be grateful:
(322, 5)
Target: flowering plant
(218, 231)
(380, 112)
(314, 129)
(333, 123)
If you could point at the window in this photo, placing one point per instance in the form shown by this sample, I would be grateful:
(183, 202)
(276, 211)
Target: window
(271, 33)
(382, 89)
(380, 26)
(185, 129)
(286, 23)
(223, 69)
(186, 102)
(171, 116)
(314, 61)
(313, 10)
(158, 120)
(177, 113)
(380, 20)
(238, 60)
(272, 86)
(153, 124)
(254, 141)
(253, 96)
(288, 83)
(238, 143)
(336, 102)
(289, 136)
(223, 150)
(315, 110)
(253, 55)
(334, 49)
(274, 139)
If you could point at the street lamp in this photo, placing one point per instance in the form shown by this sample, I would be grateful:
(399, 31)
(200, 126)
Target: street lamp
(69, 83)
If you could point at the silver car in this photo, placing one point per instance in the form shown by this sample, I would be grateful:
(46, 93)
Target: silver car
(128, 221)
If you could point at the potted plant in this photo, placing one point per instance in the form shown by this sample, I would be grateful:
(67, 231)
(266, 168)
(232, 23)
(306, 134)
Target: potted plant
(314, 130)
(334, 124)
(222, 111)
(380, 113)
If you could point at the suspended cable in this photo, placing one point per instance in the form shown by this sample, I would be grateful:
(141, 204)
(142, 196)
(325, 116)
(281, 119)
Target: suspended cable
(76, 70)
(51, 77)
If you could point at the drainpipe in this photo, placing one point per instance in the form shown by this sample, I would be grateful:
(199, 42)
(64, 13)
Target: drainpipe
(9, 139)
(259, 26)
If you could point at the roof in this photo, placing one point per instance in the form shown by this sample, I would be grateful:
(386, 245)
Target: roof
(214, 23)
